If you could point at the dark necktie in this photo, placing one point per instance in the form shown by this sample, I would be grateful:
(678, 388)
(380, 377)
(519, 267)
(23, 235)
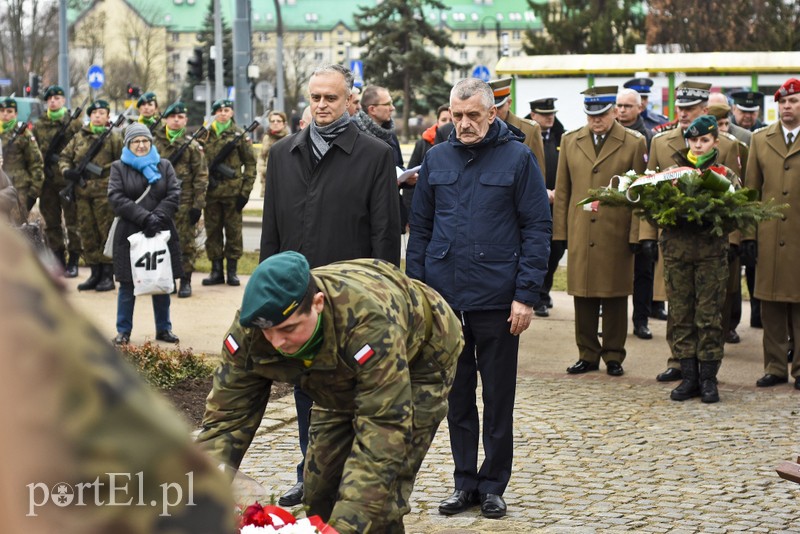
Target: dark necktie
(598, 143)
(789, 139)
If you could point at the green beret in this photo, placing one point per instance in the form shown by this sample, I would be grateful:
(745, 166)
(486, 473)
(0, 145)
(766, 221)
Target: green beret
(702, 125)
(53, 90)
(177, 107)
(149, 96)
(8, 103)
(221, 103)
(275, 290)
(98, 104)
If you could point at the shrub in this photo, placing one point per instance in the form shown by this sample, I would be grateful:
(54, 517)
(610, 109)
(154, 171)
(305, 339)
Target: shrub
(164, 368)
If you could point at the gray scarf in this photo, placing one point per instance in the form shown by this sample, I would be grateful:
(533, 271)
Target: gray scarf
(369, 126)
(323, 136)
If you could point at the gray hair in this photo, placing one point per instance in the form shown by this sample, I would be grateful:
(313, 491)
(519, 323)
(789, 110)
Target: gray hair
(629, 91)
(469, 87)
(339, 69)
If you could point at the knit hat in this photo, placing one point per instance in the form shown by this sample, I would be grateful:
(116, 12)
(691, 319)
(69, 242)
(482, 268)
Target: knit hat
(136, 129)
(598, 100)
(275, 290)
(702, 125)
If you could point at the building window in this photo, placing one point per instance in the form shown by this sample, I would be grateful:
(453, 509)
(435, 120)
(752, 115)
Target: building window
(319, 56)
(317, 37)
(263, 37)
(463, 55)
(516, 35)
(463, 36)
(176, 37)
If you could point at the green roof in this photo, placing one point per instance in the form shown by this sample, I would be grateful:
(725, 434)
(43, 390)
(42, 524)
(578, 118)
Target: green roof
(323, 15)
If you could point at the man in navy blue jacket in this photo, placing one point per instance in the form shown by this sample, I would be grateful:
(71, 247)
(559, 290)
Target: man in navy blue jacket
(480, 235)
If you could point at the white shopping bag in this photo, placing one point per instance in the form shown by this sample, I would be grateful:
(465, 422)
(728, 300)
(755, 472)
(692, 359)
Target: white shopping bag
(151, 264)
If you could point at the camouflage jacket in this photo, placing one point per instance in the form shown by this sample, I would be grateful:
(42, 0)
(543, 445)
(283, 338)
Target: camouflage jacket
(23, 161)
(191, 168)
(45, 130)
(111, 151)
(242, 160)
(382, 331)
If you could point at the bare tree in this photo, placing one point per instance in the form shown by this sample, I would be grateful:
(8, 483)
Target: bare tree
(28, 39)
(86, 48)
(146, 46)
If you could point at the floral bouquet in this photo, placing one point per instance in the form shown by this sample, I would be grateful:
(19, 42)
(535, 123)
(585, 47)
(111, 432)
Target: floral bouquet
(685, 197)
(257, 519)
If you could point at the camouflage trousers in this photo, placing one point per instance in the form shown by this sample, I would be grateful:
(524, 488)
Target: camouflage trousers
(187, 233)
(51, 206)
(331, 478)
(220, 214)
(94, 220)
(696, 275)
(23, 192)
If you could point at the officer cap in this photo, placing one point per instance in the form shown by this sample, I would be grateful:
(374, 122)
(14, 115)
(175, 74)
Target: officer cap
(640, 85)
(146, 98)
(702, 125)
(747, 100)
(275, 290)
(543, 106)
(176, 107)
(8, 103)
(789, 87)
(691, 93)
(98, 104)
(53, 90)
(598, 100)
(221, 103)
(719, 111)
(501, 89)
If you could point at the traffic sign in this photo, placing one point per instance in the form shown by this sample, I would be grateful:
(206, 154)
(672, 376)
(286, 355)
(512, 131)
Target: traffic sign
(482, 73)
(96, 77)
(357, 67)
(264, 90)
(5, 82)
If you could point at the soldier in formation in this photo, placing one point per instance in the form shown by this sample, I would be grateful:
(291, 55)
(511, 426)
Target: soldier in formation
(22, 160)
(375, 350)
(147, 105)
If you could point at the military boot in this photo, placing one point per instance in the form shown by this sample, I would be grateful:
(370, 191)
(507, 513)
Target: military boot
(186, 287)
(689, 386)
(93, 279)
(708, 381)
(106, 278)
(216, 277)
(72, 265)
(61, 256)
(233, 280)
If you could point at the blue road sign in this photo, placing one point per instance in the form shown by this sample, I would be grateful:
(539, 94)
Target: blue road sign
(357, 66)
(482, 73)
(96, 77)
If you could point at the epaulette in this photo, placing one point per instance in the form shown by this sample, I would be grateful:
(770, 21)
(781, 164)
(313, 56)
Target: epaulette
(734, 138)
(762, 128)
(635, 133)
(667, 126)
(571, 131)
(659, 134)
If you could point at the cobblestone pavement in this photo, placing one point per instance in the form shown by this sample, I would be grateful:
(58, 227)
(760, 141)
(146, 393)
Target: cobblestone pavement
(597, 455)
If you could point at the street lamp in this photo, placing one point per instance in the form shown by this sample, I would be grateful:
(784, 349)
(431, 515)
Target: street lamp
(482, 32)
(279, 58)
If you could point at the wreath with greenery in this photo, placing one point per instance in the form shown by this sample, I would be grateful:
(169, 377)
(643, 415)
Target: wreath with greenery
(687, 198)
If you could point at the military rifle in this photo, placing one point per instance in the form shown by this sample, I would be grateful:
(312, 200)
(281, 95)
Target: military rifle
(155, 124)
(60, 139)
(217, 170)
(85, 164)
(21, 127)
(176, 157)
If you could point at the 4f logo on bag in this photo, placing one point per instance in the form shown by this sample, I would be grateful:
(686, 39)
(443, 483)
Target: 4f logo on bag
(149, 260)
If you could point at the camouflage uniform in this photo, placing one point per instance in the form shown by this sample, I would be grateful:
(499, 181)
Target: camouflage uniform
(22, 161)
(87, 413)
(51, 204)
(372, 423)
(94, 211)
(193, 174)
(220, 210)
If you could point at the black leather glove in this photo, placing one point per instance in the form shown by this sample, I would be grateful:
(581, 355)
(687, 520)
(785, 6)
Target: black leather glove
(241, 202)
(31, 202)
(151, 225)
(194, 215)
(650, 249)
(163, 220)
(636, 248)
(562, 243)
(733, 252)
(749, 249)
(72, 175)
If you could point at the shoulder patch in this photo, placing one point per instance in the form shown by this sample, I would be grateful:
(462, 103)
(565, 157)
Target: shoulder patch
(572, 131)
(364, 354)
(762, 128)
(231, 345)
(634, 132)
(659, 134)
(729, 136)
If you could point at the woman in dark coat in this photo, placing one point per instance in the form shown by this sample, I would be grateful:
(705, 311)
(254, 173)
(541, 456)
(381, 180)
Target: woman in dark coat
(140, 166)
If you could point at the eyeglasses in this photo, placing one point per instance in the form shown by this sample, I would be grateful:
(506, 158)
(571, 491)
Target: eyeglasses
(389, 103)
(140, 142)
(276, 120)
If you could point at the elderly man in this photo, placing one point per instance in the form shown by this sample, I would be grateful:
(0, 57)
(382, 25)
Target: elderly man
(377, 353)
(644, 86)
(774, 171)
(480, 231)
(746, 105)
(355, 101)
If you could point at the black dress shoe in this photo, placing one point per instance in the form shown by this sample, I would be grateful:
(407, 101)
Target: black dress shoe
(540, 310)
(670, 375)
(732, 337)
(458, 502)
(548, 301)
(492, 506)
(642, 332)
(769, 380)
(756, 322)
(123, 338)
(293, 497)
(661, 315)
(614, 369)
(579, 367)
(167, 336)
